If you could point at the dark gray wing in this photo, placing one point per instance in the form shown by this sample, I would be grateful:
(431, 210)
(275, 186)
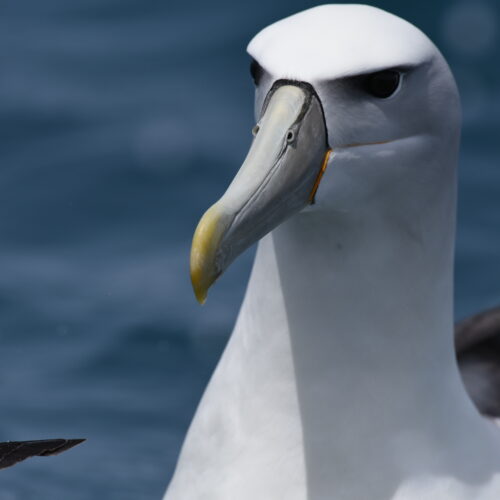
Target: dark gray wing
(12, 452)
(477, 343)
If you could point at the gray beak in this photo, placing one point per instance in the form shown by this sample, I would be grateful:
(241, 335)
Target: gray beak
(278, 178)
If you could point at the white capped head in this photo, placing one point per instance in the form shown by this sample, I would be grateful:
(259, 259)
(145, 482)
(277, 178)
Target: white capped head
(332, 41)
(338, 49)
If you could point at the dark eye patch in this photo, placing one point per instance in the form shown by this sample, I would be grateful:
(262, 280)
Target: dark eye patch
(382, 84)
(256, 71)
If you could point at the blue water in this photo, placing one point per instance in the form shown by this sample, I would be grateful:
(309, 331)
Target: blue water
(120, 122)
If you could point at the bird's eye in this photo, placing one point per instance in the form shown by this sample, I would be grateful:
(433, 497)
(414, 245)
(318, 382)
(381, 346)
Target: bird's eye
(383, 83)
(256, 71)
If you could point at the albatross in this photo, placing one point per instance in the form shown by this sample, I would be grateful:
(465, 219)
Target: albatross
(340, 378)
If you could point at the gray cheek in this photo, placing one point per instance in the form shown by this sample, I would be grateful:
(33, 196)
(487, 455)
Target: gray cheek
(352, 118)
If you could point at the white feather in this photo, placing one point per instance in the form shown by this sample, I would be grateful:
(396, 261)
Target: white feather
(340, 380)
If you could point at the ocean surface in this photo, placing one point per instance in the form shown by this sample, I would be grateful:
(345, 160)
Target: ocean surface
(121, 121)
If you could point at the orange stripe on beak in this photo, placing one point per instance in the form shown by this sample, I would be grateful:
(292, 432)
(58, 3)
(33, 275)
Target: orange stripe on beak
(320, 176)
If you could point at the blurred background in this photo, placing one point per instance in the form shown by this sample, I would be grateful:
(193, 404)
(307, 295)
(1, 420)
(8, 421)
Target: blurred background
(120, 122)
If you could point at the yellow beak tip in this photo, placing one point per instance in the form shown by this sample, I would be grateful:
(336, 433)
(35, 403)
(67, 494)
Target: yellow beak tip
(205, 244)
(200, 293)
(201, 298)
(199, 282)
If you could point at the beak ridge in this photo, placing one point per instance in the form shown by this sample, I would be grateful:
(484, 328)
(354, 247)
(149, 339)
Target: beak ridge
(278, 178)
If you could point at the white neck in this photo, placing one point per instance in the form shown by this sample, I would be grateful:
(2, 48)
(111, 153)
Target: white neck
(340, 367)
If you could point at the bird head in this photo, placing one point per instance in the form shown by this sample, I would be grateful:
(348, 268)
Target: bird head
(349, 100)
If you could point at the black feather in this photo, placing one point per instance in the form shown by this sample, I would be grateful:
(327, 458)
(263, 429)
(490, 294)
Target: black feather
(477, 344)
(12, 452)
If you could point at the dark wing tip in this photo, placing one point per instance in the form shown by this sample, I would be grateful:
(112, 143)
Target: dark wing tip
(477, 343)
(12, 452)
(65, 444)
(478, 328)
